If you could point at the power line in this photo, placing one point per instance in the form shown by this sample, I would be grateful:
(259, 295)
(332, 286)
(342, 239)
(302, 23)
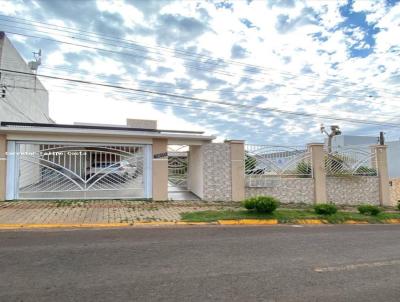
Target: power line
(157, 102)
(248, 107)
(254, 91)
(140, 45)
(214, 63)
(249, 92)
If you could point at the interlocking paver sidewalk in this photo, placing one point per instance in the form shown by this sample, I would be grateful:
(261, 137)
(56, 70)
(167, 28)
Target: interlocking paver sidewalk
(102, 211)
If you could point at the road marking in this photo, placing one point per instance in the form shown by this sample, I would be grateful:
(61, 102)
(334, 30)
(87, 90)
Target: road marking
(350, 267)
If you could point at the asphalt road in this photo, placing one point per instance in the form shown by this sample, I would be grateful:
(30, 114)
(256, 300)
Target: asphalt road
(273, 263)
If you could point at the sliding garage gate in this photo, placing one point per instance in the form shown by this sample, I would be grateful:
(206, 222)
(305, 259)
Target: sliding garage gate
(78, 171)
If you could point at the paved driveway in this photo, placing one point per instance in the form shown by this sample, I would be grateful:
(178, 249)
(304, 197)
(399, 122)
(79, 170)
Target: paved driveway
(275, 263)
(63, 212)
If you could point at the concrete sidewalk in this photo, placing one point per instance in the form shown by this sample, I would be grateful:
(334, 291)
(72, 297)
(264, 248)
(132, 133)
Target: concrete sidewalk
(100, 212)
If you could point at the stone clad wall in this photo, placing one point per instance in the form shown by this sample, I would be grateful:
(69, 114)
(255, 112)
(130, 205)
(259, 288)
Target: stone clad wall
(217, 182)
(353, 190)
(340, 190)
(287, 190)
(395, 191)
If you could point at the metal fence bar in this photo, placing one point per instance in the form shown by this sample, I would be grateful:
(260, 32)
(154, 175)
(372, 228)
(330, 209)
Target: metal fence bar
(264, 164)
(351, 161)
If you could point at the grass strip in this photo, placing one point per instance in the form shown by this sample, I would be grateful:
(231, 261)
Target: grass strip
(285, 216)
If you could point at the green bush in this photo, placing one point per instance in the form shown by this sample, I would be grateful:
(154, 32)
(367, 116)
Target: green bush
(266, 204)
(325, 209)
(262, 204)
(250, 203)
(398, 204)
(368, 209)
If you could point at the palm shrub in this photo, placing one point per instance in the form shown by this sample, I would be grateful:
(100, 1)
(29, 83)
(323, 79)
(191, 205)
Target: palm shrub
(366, 171)
(325, 209)
(250, 164)
(262, 204)
(303, 169)
(250, 203)
(368, 209)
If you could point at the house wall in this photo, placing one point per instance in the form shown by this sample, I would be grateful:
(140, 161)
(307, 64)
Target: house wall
(20, 104)
(353, 190)
(287, 190)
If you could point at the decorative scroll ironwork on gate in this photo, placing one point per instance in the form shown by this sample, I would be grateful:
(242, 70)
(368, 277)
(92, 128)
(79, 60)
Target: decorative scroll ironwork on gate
(80, 171)
(177, 166)
(263, 163)
(354, 160)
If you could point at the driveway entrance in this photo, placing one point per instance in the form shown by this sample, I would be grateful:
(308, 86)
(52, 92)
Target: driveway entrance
(78, 171)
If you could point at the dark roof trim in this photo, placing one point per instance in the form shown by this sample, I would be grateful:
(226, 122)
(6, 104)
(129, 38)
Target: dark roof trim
(45, 125)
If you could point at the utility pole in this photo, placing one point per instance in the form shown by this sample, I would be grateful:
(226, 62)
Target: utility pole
(335, 130)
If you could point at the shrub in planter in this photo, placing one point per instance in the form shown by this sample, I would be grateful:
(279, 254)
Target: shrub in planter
(368, 209)
(325, 209)
(250, 203)
(266, 204)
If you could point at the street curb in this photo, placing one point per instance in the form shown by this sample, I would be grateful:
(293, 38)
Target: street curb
(97, 225)
(248, 221)
(173, 223)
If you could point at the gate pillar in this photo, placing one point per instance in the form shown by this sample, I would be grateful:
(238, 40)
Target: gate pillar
(160, 169)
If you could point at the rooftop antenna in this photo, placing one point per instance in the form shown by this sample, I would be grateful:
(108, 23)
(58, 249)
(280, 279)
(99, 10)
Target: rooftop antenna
(34, 65)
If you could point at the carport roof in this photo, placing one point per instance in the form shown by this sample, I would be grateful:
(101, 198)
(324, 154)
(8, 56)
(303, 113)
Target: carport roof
(43, 128)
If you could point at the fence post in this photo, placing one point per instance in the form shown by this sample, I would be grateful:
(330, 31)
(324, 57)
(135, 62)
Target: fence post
(319, 172)
(382, 167)
(160, 169)
(237, 169)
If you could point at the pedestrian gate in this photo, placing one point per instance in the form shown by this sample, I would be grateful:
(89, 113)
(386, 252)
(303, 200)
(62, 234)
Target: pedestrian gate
(78, 171)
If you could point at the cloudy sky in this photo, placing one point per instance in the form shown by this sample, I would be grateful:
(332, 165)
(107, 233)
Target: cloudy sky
(266, 71)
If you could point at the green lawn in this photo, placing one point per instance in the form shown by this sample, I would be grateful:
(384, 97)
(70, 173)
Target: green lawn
(284, 216)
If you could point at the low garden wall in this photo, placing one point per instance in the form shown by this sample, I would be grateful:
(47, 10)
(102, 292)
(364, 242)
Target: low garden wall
(353, 190)
(339, 190)
(287, 190)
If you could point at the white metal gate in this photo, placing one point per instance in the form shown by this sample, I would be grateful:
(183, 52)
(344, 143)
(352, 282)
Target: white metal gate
(177, 167)
(78, 171)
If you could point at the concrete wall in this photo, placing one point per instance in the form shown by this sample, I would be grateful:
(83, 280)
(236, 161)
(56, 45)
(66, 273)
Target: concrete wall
(20, 104)
(341, 141)
(287, 190)
(395, 191)
(353, 190)
(217, 175)
(393, 157)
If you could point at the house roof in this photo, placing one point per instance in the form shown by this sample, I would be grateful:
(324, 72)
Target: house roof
(123, 131)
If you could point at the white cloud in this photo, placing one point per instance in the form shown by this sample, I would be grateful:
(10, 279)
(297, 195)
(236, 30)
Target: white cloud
(331, 85)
